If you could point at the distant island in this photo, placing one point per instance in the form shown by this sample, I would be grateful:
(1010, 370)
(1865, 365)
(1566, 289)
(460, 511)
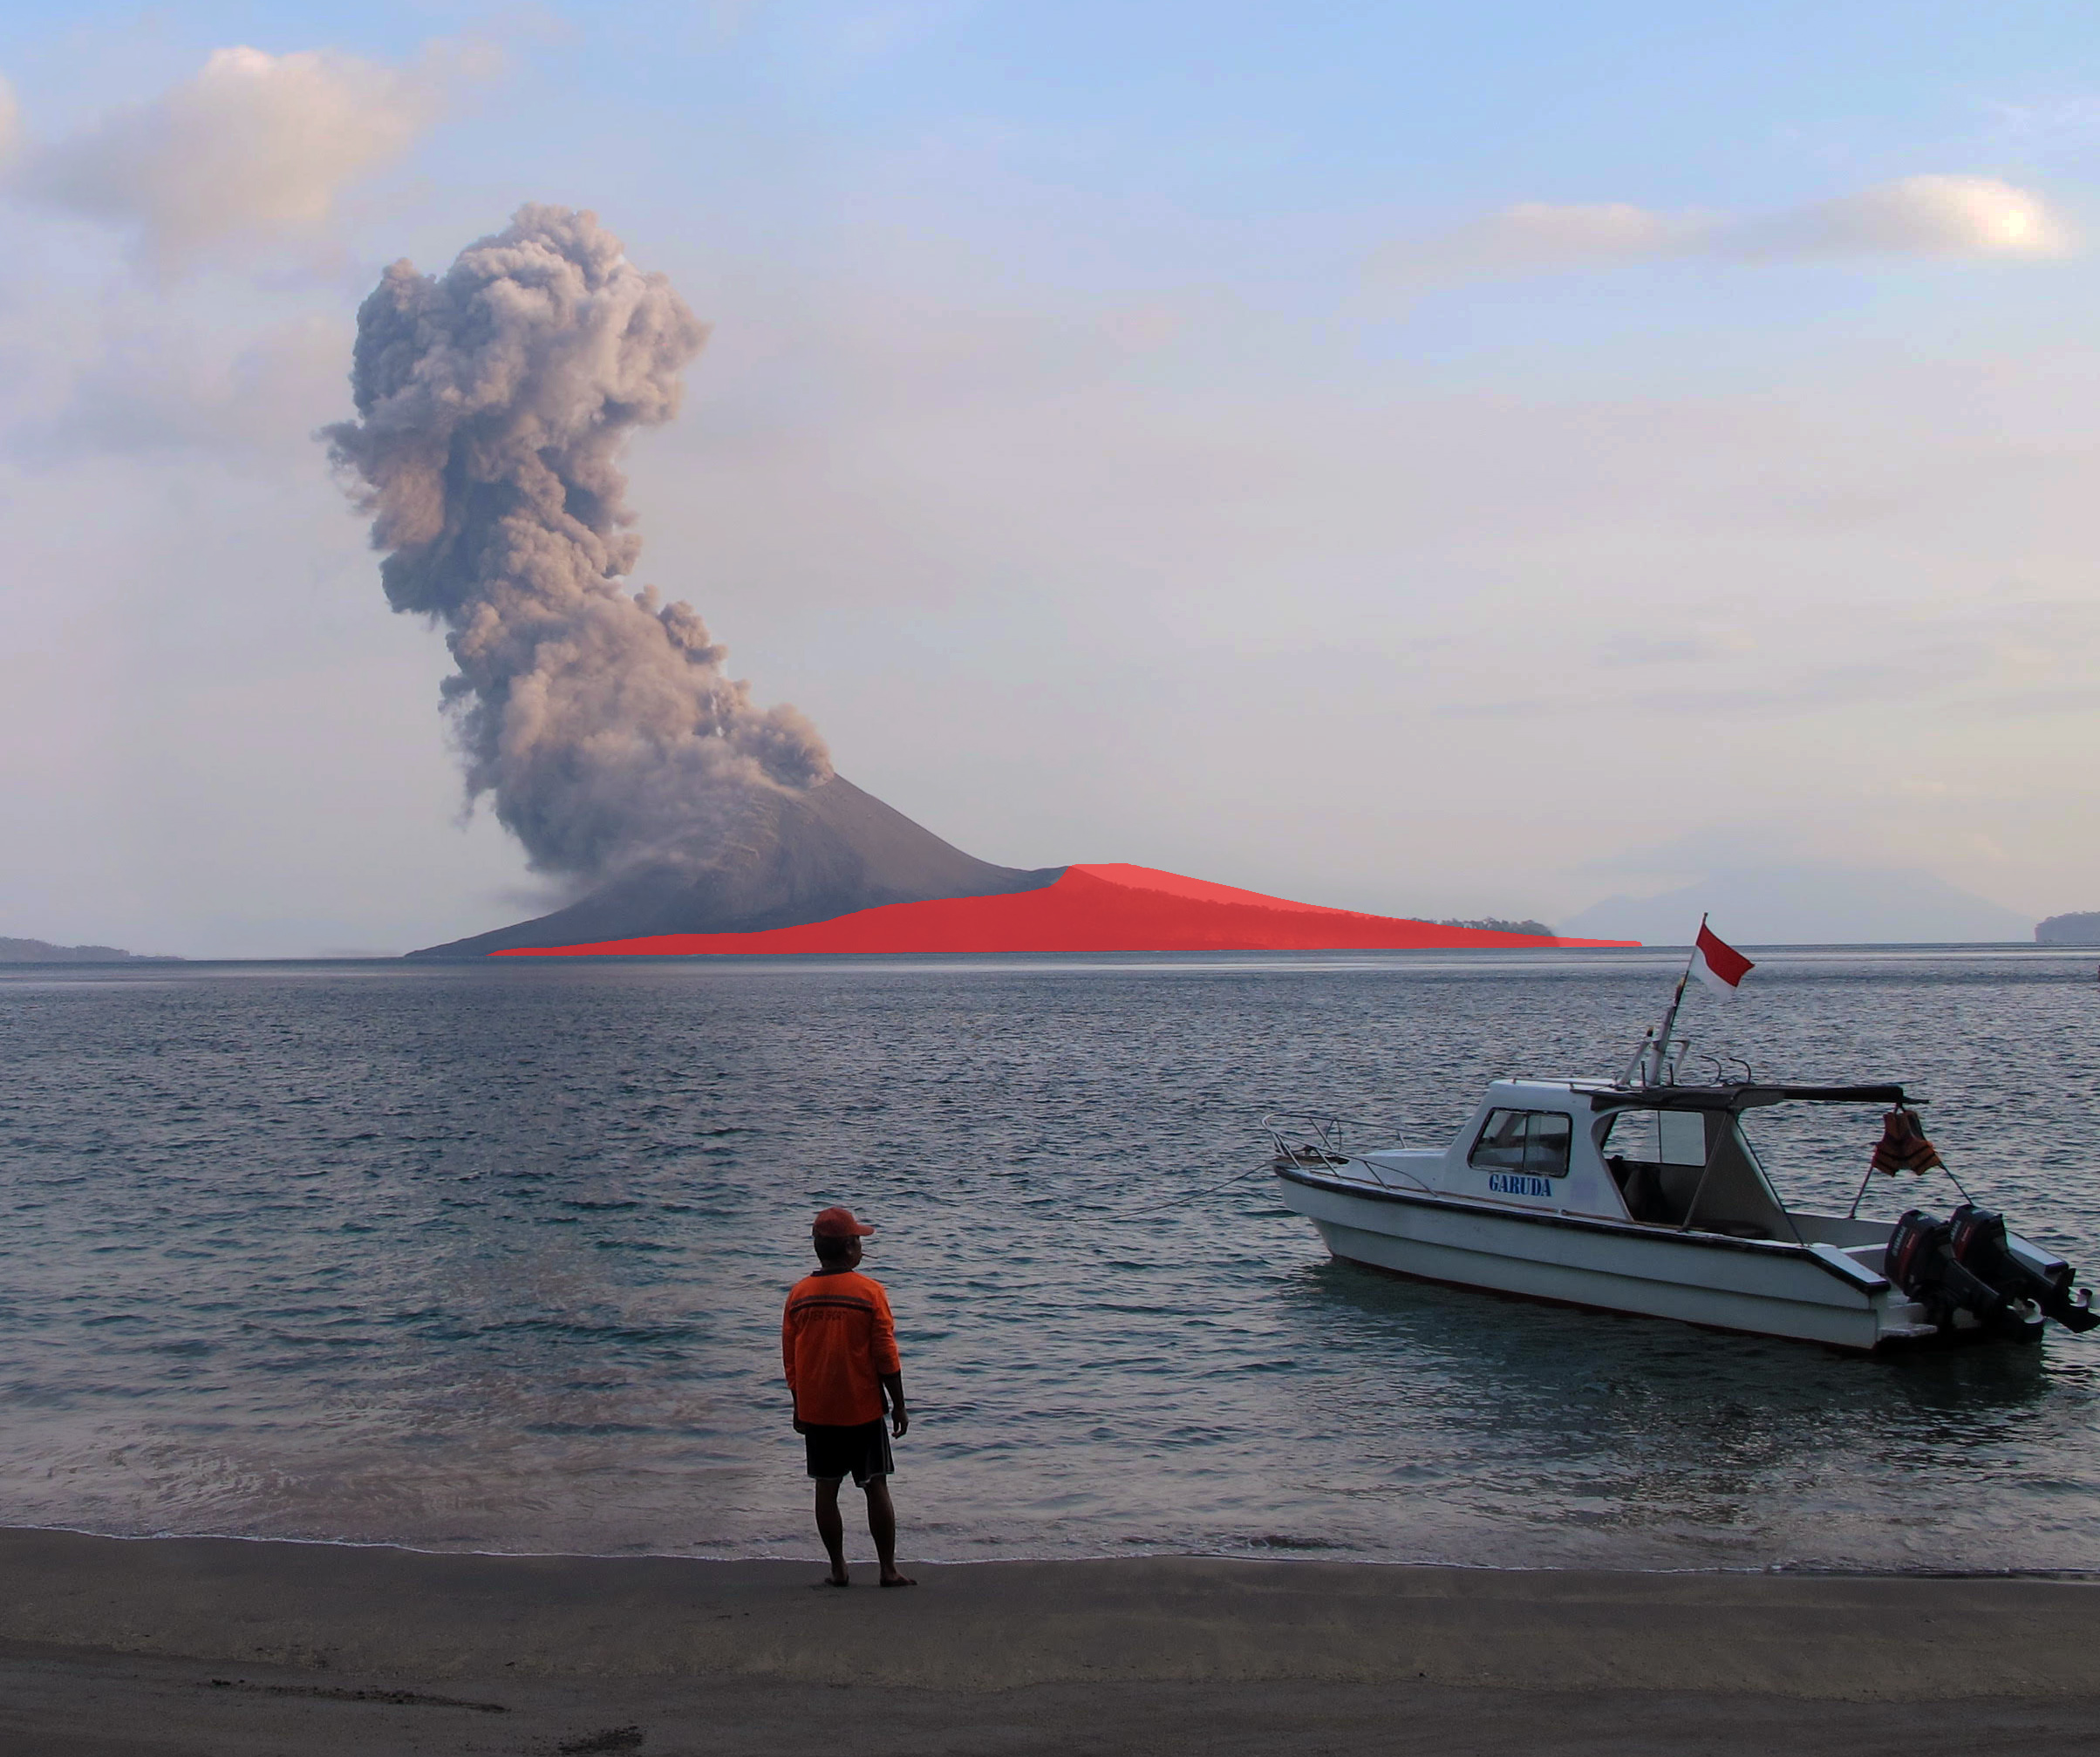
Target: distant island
(1108, 906)
(43, 951)
(2082, 929)
(830, 869)
(1494, 923)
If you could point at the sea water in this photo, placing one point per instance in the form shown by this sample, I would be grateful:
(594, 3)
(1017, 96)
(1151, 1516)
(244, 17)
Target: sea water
(491, 1257)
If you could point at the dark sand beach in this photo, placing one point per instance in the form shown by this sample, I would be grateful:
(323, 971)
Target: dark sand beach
(223, 1646)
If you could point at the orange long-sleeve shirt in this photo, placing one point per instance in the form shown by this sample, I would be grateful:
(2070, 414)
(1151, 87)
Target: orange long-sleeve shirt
(838, 1342)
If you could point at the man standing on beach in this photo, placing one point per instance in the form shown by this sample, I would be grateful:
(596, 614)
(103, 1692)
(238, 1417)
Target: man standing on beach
(839, 1342)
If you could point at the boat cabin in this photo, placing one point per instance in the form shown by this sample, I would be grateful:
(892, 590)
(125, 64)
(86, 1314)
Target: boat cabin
(1659, 1155)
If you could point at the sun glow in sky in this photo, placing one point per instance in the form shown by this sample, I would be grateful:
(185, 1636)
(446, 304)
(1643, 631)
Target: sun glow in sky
(1427, 461)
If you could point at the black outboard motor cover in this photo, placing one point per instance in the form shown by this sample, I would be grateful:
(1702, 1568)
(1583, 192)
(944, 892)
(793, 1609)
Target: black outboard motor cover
(1976, 1238)
(1920, 1258)
(1914, 1245)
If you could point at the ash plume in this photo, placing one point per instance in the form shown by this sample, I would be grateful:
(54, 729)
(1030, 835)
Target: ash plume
(493, 403)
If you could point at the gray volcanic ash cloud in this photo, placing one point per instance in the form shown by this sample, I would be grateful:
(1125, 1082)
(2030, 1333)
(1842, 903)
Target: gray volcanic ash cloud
(493, 403)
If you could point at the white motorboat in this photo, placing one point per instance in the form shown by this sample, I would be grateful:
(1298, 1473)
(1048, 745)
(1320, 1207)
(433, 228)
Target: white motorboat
(1649, 1199)
(1643, 1195)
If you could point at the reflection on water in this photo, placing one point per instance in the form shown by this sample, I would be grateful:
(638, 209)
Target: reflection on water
(1629, 1441)
(492, 1259)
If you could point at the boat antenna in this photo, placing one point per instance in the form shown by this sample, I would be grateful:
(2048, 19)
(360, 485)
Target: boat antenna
(1648, 1058)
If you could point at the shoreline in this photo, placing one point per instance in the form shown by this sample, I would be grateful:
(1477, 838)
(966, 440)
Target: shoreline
(1286, 1558)
(999, 1624)
(236, 1644)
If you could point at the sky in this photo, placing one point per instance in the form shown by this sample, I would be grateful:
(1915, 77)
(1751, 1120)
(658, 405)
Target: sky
(1443, 461)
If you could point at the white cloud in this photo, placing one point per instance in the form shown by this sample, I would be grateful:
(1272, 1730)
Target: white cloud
(1946, 216)
(255, 150)
(1913, 216)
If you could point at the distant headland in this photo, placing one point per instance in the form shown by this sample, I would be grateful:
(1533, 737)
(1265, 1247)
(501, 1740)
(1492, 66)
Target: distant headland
(2081, 928)
(43, 951)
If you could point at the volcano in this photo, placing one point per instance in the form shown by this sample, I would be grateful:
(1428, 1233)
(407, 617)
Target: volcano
(834, 869)
(791, 859)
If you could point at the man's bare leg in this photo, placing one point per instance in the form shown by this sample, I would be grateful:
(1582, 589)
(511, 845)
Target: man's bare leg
(882, 1526)
(831, 1526)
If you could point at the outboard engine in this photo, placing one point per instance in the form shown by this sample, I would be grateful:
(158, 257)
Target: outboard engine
(1922, 1260)
(1910, 1244)
(1976, 1237)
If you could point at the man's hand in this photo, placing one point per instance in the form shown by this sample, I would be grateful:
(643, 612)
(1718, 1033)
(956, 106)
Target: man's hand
(893, 1394)
(898, 1421)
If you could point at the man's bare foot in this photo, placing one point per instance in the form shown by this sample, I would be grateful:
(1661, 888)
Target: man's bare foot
(893, 1578)
(838, 1576)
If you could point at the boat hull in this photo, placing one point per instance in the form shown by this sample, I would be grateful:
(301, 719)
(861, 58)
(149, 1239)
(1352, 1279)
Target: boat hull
(1756, 1286)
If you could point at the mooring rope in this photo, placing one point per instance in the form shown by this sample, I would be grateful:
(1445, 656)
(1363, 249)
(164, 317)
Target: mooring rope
(1190, 1196)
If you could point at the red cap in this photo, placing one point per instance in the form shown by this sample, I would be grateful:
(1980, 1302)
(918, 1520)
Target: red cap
(838, 1223)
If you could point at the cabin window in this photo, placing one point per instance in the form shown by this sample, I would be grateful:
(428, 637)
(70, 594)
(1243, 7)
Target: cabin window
(1668, 1137)
(1530, 1141)
(1546, 1148)
(1501, 1144)
(1682, 1136)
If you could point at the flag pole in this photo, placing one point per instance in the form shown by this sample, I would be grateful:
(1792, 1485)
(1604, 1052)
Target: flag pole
(1669, 1019)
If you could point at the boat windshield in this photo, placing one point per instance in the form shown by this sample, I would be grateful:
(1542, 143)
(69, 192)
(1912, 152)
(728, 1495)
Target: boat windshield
(1678, 1168)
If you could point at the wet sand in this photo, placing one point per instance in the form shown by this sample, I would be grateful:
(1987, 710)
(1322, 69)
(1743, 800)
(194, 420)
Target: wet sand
(207, 1646)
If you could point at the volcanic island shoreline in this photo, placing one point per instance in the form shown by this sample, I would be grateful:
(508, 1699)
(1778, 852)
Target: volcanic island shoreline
(215, 1644)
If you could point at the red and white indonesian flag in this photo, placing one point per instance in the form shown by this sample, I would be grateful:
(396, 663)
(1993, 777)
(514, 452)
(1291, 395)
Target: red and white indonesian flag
(1717, 964)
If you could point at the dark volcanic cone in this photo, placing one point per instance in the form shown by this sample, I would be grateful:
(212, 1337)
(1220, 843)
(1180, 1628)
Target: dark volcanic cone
(793, 857)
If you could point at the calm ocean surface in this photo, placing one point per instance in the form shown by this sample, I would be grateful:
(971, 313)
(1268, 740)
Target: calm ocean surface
(491, 1258)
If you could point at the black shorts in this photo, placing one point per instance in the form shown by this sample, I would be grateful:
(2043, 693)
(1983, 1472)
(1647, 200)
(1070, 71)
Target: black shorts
(861, 1452)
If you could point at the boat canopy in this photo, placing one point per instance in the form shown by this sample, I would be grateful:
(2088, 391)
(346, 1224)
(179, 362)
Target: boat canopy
(1744, 1096)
